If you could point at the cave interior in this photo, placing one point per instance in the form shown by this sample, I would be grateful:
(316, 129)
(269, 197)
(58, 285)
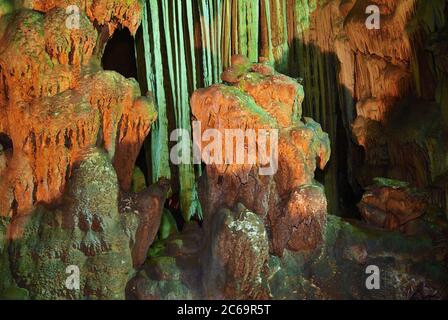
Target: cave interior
(94, 171)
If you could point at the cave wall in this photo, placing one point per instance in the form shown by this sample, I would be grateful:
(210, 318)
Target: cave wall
(368, 88)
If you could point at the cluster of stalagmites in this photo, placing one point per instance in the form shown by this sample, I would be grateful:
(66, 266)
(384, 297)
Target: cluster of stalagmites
(247, 216)
(269, 237)
(70, 135)
(288, 209)
(289, 200)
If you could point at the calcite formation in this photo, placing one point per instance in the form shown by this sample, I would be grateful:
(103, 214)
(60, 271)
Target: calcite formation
(70, 134)
(173, 271)
(410, 267)
(65, 103)
(109, 13)
(269, 237)
(194, 265)
(89, 231)
(248, 217)
(391, 82)
(394, 205)
(258, 98)
(72, 198)
(380, 95)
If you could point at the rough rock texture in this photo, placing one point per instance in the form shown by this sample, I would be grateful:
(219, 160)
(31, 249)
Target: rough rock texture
(269, 237)
(389, 84)
(379, 94)
(393, 205)
(65, 102)
(149, 204)
(110, 13)
(259, 98)
(300, 225)
(228, 262)
(89, 231)
(234, 259)
(70, 134)
(411, 267)
(173, 270)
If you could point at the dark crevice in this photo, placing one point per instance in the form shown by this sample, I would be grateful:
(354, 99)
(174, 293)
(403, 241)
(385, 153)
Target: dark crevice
(119, 55)
(6, 142)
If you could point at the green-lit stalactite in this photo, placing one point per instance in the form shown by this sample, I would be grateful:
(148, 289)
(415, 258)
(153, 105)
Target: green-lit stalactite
(155, 82)
(253, 22)
(266, 31)
(175, 46)
(206, 34)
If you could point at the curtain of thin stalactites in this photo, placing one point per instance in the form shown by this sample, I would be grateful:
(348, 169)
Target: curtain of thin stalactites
(188, 43)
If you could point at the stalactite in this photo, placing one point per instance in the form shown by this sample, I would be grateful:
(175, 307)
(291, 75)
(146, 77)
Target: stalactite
(155, 82)
(173, 16)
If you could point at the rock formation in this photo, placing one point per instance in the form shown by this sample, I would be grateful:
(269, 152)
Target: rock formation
(394, 205)
(65, 103)
(308, 77)
(269, 237)
(235, 257)
(258, 98)
(390, 86)
(70, 135)
(88, 231)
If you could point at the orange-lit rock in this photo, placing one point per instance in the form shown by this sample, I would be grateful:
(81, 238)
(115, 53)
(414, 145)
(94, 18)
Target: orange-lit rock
(235, 256)
(56, 102)
(112, 13)
(299, 226)
(261, 99)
